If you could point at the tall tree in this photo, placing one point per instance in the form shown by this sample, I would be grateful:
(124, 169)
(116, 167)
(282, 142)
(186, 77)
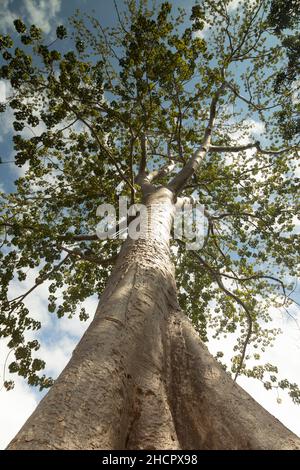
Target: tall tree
(160, 111)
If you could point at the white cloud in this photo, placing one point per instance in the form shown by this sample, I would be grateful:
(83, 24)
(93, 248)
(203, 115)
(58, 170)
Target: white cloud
(57, 353)
(38, 12)
(255, 130)
(17, 405)
(7, 15)
(42, 12)
(6, 118)
(296, 92)
(203, 33)
(2, 91)
(15, 408)
(74, 327)
(234, 4)
(296, 222)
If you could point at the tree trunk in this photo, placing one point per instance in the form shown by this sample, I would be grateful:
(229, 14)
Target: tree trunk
(140, 378)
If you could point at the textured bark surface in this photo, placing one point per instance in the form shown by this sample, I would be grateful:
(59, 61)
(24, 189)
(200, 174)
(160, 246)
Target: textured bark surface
(140, 378)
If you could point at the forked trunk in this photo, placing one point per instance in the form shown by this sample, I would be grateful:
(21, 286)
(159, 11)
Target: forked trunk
(140, 378)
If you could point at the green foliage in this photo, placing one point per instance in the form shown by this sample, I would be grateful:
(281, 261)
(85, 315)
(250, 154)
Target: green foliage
(20, 26)
(61, 32)
(88, 110)
(283, 16)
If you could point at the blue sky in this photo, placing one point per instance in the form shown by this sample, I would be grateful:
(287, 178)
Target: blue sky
(60, 336)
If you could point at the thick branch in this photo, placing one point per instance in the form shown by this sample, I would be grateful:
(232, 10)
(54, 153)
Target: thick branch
(163, 171)
(78, 238)
(193, 163)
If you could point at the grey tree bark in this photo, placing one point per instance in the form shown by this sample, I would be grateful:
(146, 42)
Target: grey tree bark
(140, 378)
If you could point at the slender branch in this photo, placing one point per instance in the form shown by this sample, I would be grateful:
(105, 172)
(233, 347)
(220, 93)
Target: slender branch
(78, 238)
(132, 195)
(254, 276)
(90, 257)
(70, 237)
(237, 299)
(119, 17)
(6, 162)
(107, 151)
(66, 237)
(4, 367)
(247, 30)
(143, 160)
(256, 145)
(231, 214)
(38, 282)
(275, 152)
(209, 232)
(100, 144)
(246, 100)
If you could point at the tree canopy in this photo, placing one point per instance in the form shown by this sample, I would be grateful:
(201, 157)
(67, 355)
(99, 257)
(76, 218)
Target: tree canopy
(284, 17)
(95, 106)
